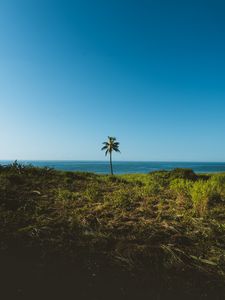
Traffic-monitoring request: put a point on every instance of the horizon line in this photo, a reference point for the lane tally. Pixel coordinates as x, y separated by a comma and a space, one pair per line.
95, 160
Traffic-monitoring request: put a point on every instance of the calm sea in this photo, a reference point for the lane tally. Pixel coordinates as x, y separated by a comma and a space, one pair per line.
122, 167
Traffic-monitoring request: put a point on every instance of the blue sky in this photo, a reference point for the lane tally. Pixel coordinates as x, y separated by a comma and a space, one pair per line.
151, 73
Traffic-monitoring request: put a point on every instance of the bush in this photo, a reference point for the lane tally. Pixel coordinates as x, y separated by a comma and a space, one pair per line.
158, 181
218, 180
183, 174
203, 193
181, 188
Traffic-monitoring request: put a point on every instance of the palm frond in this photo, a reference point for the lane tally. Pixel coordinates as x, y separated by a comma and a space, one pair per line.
104, 148
116, 144
111, 145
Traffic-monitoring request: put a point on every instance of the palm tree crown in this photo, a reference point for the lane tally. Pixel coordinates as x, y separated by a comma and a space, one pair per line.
110, 146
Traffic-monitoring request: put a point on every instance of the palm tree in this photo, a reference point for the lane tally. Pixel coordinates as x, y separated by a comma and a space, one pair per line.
110, 146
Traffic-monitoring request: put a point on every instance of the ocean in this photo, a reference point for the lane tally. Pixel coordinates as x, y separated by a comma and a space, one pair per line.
123, 167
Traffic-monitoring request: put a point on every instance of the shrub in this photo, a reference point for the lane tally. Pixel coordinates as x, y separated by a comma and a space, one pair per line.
203, 193
218, 180
157, 182
181, 188
183, 174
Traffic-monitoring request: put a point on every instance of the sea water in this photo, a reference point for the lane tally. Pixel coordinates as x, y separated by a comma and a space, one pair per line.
123, 167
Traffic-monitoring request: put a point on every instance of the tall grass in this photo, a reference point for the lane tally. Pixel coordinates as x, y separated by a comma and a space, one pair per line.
162, 224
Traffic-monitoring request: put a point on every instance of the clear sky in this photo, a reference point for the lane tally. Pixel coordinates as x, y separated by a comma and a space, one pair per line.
151, 73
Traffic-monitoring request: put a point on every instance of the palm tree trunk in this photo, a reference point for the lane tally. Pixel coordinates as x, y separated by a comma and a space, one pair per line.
111, 168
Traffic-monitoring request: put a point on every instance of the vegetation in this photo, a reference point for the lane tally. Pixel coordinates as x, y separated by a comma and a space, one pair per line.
140, 236
110, 146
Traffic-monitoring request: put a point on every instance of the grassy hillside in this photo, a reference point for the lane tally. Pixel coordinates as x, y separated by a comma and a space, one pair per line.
141, 236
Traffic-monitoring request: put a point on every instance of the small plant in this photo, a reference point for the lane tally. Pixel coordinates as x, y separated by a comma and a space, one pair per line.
218, 180
180, 173
157, 182
201, 193
181, 188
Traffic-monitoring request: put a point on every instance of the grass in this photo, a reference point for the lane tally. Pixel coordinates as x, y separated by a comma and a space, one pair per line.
139, 236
